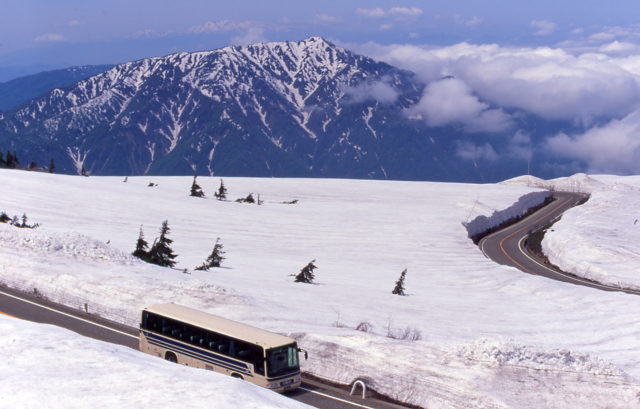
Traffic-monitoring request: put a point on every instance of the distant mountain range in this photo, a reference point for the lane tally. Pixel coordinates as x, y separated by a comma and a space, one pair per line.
285, 109
20, 90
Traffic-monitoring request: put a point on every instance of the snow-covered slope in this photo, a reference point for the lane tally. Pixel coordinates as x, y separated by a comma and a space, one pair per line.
48, 367
483, 335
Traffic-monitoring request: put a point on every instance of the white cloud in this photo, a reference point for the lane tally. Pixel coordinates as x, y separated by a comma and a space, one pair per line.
405, 11
617, 47
520, 146
73, 23
401, 12
50, 38
326, 18
543, 27
251, 36
217, 26
474, 21
379, 91
371, 13
549, 82
611, 148
384, 27
471, 151
451, 101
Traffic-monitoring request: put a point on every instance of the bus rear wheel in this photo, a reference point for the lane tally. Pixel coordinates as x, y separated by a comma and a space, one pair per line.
171, 357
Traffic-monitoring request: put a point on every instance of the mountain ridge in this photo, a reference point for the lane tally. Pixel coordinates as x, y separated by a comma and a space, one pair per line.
299, 109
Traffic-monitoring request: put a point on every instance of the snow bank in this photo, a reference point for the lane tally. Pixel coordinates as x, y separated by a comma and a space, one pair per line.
599, 240
579, 182
482, 223
49, 367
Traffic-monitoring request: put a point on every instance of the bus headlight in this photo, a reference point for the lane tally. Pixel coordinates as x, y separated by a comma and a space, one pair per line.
273, 385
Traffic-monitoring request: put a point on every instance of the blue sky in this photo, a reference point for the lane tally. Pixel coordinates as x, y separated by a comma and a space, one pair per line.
59, 33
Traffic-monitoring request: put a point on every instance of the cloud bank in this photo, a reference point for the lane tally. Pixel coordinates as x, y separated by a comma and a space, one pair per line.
594, 89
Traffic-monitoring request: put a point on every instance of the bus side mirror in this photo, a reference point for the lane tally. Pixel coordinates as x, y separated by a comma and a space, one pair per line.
306, 355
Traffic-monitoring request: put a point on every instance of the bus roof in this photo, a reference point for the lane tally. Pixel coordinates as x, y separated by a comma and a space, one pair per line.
220, 325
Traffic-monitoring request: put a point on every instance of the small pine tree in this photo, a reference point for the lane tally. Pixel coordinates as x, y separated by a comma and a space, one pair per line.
215, 258
10, 161
306, 275
196, 190
24, 220
32, 165
52, 166
4, 217
141, 247
399, 288
161, 252
248, 199
221, 194
2, 162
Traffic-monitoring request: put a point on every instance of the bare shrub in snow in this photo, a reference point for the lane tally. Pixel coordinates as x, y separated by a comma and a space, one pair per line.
364, 326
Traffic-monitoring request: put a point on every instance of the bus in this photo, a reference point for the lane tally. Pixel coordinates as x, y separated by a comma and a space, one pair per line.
195, 338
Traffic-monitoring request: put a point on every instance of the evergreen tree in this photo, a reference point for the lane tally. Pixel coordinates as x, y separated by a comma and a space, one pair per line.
221, 194
248, 199
399, 288
24, 220
161, 253
52, 166
141, 247
306, 275
32, 165
215, 258
10, 161
196, 190
2, 162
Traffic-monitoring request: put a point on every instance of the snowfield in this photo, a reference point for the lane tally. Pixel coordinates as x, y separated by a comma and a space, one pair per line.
49, 367
476, 334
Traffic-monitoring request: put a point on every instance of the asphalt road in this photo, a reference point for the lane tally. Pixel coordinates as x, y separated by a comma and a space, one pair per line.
32, 308
507, 246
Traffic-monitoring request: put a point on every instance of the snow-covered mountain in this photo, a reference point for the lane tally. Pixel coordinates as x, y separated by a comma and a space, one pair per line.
305, 108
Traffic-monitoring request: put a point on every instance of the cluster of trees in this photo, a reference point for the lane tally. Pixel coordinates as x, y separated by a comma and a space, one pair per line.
221, 193
162, 254
17, 222
196, 190
11, 161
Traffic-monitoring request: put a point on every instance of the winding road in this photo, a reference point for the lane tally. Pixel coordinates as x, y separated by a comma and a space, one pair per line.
508, 246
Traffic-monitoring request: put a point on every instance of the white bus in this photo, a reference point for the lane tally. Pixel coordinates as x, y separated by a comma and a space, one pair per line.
195, 338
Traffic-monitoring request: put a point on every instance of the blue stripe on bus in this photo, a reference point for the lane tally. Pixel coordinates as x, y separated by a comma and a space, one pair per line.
196, 353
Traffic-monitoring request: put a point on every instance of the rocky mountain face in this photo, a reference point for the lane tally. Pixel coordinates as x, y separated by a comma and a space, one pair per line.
296, 109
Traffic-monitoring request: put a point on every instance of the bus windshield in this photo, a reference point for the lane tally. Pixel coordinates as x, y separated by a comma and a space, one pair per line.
282, 360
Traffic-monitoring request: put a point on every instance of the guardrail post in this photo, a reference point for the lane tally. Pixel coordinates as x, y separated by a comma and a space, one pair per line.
364, 388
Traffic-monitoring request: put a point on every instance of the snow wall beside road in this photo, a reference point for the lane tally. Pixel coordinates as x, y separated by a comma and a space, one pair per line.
482, 225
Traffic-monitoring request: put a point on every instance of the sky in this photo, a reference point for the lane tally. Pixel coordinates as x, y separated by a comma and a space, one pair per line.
62, 33
576, 62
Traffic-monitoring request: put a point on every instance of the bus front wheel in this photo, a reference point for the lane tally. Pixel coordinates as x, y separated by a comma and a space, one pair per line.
235, 375
171, 357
